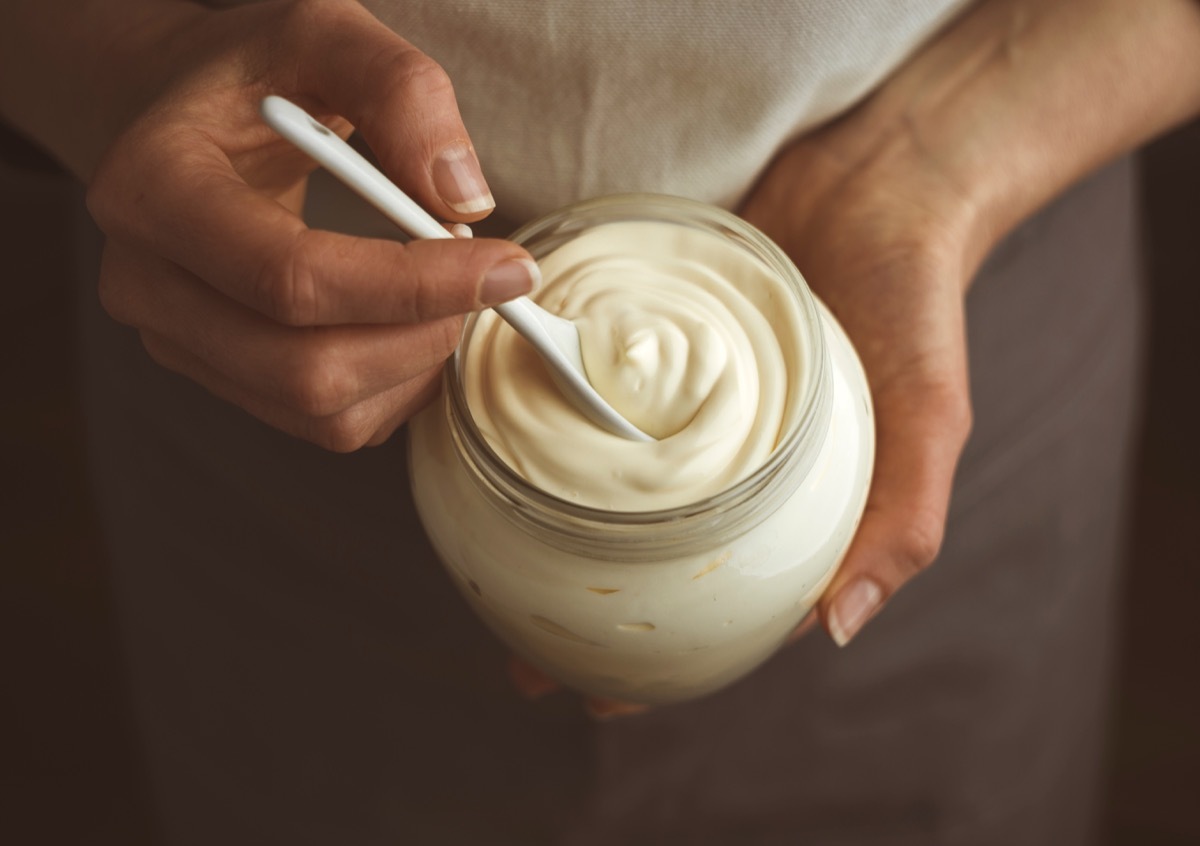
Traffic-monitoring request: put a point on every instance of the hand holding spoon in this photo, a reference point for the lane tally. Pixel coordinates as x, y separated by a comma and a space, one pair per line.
555, 339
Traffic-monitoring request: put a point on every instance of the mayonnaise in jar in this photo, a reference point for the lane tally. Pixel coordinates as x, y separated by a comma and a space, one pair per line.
650, 572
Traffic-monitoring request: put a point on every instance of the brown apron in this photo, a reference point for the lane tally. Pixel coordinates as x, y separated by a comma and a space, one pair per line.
304, 673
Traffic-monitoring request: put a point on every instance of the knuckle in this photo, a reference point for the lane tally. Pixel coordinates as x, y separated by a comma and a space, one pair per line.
920, 542
157, 349
440, 280
383, 434
424, 295
318, 384
414, 77
346, 431
444, 336
287, 284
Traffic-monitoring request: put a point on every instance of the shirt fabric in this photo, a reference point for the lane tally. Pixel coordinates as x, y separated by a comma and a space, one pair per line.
570, 100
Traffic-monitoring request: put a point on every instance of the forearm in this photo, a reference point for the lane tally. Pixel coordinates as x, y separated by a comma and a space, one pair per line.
1020, 98
73, 74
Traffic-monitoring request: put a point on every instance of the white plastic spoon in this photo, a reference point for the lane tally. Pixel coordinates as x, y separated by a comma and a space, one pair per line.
555, 339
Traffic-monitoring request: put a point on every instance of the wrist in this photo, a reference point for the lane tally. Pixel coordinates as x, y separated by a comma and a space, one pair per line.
893, 192
1021, 98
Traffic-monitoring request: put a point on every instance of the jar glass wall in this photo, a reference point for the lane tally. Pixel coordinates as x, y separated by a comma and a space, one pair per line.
654, 606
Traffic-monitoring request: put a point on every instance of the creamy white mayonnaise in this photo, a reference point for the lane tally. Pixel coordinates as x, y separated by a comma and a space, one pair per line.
692, 339
689, 333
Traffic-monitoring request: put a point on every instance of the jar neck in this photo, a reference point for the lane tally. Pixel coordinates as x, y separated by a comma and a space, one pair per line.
652, 535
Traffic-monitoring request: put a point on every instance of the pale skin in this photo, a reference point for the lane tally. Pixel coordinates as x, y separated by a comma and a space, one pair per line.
888, 211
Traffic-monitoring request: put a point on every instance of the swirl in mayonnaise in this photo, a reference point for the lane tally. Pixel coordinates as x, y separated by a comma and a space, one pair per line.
689, 336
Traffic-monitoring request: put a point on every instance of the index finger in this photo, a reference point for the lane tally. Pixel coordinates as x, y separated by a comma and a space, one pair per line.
181, 198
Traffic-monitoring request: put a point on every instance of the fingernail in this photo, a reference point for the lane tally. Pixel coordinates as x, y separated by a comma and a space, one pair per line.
852, 607
461, 230
459, 180
509, 279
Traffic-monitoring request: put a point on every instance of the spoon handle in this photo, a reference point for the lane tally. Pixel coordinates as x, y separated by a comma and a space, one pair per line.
348, 165
555, 339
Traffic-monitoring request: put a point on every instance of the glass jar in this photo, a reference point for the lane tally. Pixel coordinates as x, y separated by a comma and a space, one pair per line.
655, 606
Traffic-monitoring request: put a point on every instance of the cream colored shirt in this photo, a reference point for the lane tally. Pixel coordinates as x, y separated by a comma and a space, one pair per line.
569, 100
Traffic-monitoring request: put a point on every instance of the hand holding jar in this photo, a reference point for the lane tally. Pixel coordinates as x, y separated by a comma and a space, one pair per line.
890, 209
891, 264
891, 260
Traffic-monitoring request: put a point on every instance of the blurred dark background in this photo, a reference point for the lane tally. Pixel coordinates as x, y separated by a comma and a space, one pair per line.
69, 769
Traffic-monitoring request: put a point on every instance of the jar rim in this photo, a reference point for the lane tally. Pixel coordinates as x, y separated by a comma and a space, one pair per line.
626, 533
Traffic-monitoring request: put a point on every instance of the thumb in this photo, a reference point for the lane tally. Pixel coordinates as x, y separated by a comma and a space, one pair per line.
400, 99
920, 434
